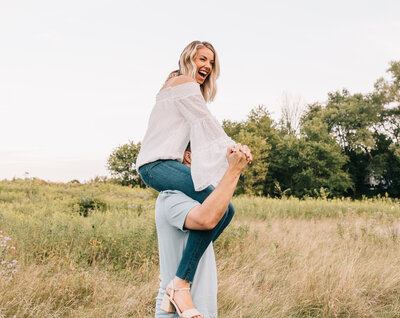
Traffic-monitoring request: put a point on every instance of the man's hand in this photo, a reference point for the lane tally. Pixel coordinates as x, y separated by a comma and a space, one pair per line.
237, 159
245, 150
207, 215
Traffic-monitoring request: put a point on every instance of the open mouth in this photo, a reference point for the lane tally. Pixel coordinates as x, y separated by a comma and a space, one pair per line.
203, 74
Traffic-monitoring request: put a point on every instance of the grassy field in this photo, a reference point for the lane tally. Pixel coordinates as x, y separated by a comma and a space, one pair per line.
90, 250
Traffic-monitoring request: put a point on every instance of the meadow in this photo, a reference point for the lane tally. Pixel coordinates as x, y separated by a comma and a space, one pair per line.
90, 250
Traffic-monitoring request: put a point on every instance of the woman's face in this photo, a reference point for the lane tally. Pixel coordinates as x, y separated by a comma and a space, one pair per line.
204, 61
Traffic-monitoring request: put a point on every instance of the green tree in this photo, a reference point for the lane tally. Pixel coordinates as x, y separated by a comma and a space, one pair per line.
121, 164
321, 162
255, 132
308, 166
252, 179
385, 164
367, 128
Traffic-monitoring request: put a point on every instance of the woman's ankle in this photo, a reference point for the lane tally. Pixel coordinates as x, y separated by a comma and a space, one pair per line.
179, 282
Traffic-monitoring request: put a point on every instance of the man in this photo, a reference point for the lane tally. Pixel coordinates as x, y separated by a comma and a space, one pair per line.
177, 213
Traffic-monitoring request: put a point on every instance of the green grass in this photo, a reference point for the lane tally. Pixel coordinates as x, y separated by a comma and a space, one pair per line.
44, 219
118, 240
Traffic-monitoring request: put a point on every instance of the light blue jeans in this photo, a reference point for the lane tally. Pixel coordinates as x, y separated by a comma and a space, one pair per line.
172, 175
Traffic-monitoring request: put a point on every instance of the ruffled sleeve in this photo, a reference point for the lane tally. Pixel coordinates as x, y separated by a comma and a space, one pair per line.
208, 140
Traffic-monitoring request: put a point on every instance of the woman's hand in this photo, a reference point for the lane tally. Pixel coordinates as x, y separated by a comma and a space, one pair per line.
236, 159
245, 150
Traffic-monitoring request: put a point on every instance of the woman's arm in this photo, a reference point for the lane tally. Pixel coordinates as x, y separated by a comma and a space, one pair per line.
208, 139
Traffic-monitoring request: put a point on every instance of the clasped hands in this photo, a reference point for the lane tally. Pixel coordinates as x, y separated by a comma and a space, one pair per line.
244, 149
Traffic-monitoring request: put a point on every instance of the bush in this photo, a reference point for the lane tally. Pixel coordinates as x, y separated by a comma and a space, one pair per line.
87, 205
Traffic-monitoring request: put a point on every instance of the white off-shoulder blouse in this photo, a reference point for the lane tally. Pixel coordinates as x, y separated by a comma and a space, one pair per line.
181, 115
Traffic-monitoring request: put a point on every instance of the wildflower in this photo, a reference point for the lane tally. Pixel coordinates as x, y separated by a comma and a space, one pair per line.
3, 245
14, 261
13, 247
3, 262
14, 271
10, 265
2, 272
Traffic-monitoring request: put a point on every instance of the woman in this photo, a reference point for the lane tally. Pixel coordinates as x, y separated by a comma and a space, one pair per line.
181, 115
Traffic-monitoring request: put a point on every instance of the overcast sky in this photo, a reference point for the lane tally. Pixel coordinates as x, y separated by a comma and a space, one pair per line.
79, 78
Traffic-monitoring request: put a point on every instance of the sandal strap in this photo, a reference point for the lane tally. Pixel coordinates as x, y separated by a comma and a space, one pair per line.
173, 290
190, 313
187, 288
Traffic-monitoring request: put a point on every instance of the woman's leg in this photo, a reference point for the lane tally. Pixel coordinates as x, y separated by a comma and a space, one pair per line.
226, 219
172, 175
197, 243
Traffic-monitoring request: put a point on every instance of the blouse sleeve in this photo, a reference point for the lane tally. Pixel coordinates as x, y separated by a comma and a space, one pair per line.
208, 140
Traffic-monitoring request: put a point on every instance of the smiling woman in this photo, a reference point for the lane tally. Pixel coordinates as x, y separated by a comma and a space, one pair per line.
199, 60
204, 61
179, 117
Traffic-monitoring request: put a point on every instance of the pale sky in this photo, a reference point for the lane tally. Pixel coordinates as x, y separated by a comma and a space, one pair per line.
79, 78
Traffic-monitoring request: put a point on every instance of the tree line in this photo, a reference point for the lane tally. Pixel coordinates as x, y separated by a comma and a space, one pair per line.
348, 146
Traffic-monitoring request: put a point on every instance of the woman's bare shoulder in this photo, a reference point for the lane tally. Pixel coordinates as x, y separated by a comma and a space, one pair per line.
178, 80
182, 79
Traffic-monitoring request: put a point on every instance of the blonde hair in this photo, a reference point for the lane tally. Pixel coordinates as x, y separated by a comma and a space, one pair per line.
188, 67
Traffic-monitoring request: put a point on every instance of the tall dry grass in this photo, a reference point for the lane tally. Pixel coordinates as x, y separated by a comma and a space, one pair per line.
278, 258
314, 268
